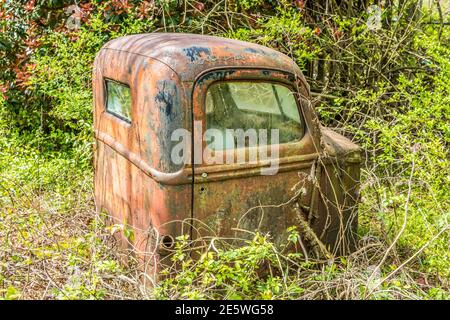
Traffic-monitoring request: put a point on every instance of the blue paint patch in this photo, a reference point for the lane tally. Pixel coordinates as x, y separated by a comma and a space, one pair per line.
194, 52
216, 75
251, 50
165, 98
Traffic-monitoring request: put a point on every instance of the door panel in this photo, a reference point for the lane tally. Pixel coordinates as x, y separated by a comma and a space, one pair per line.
234, 208
234, 200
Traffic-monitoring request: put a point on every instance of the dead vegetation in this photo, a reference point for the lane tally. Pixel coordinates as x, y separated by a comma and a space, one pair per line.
388, 89
67, 252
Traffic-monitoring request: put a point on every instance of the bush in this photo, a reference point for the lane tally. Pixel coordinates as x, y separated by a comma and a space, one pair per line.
388, 89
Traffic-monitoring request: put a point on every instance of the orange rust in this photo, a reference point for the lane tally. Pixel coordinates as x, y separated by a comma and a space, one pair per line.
136, 183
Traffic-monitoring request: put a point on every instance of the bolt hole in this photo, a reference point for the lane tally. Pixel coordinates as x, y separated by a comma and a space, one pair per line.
167, 242
202, 189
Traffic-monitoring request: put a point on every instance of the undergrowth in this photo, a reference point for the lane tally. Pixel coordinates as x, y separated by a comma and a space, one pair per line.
390, 94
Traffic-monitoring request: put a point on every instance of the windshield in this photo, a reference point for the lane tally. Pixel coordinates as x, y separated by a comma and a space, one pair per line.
252, 105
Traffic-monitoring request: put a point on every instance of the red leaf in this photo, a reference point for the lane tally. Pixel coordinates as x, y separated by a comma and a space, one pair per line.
200, 6
299, 4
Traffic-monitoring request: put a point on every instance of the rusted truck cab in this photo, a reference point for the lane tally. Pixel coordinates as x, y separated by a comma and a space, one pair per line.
167, 162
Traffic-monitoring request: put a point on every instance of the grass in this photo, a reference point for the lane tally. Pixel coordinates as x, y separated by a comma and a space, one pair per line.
55, 246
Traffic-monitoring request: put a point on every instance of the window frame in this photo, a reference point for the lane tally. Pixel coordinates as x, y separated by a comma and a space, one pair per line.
289, 155
290, 87
116, 115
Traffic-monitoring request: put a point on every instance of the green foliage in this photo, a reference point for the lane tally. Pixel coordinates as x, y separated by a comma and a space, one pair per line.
62, 77
257, 270
231, 274
409, 139
389, 89
286, 31
48, 230
244, 5
11, 293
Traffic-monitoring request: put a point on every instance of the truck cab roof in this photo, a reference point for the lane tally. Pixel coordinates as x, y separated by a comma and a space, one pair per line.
190, 55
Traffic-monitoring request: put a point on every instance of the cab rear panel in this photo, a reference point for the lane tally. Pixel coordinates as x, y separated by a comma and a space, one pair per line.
142, 190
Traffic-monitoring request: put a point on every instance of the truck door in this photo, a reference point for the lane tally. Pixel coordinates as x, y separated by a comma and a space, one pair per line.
254, 155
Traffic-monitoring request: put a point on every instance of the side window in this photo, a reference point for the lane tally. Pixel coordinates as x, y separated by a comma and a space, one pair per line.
118, 100
252, 105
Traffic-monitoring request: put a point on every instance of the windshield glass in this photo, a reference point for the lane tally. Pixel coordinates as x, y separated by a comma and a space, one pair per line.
252, 105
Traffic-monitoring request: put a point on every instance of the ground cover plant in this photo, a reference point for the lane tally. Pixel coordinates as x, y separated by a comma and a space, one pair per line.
383, 81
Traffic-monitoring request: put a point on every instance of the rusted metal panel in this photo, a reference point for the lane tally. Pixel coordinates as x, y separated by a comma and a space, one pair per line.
134, 181
232, 201
189, 55
139, 186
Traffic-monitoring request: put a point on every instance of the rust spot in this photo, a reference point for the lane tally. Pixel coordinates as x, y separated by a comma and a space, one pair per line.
137, 184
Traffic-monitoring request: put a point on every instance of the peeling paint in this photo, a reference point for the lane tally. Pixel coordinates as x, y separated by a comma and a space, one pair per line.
195, 53
135, 179
165, 98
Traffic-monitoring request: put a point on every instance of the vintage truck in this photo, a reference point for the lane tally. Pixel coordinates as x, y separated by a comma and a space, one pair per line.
153, 90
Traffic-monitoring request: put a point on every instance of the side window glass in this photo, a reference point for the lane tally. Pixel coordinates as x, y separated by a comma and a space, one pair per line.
118, 100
